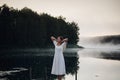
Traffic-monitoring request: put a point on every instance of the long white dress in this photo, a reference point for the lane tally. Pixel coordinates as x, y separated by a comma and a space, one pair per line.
58, 67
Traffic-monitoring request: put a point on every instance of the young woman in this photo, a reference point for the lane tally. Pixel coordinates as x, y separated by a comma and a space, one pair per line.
58, 67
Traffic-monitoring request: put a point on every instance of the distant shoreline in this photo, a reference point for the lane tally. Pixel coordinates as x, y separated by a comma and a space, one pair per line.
46, 47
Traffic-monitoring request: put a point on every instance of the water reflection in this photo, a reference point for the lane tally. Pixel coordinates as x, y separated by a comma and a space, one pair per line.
35, 64
28, 65
98, 64
104, 53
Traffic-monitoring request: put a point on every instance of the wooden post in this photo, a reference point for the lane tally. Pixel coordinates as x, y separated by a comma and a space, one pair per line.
76, 75
30, 73
45, 73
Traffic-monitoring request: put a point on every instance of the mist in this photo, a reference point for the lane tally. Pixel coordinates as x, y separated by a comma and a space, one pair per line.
95, 42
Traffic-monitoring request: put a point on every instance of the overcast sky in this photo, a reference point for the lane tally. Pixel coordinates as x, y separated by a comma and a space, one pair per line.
94, 17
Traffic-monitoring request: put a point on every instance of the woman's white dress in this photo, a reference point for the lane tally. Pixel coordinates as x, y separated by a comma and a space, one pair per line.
58, 67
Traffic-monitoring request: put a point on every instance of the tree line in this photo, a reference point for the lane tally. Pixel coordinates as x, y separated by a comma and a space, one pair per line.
27, 28
114, 39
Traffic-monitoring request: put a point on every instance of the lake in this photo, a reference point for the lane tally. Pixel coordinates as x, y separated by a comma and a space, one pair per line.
81, 64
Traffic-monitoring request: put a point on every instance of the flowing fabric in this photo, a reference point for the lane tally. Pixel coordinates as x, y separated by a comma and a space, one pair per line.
58, 67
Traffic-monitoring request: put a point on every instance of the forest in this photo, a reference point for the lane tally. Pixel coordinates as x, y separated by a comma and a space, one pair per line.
114, 39
27, 28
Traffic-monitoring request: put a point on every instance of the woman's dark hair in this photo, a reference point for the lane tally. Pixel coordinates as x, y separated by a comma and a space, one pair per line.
61, 37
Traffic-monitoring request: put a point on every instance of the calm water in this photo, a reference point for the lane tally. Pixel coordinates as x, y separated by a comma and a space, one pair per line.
35, 64
98, 64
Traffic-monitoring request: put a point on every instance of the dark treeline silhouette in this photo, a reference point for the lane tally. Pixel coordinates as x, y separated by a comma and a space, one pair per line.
115, 39
26, 28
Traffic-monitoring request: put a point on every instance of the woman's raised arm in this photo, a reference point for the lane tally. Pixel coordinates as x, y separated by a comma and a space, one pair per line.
65, 40
53, 38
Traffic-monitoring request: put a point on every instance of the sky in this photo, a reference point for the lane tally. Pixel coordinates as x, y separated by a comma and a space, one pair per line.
94, 17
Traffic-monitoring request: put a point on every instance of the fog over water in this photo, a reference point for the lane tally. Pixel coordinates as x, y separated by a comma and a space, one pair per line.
90, 42
98, 61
